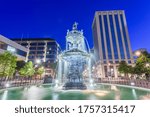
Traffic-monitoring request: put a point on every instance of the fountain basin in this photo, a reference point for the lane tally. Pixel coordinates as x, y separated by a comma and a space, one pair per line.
100, 92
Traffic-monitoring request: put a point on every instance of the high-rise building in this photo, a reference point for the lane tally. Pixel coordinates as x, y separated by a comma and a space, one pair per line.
40, 49
13, 47
111, 41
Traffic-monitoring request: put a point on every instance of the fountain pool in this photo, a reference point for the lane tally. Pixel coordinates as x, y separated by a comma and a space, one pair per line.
100, 92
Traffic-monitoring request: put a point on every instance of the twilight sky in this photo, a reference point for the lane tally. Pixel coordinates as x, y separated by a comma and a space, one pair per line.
52, 18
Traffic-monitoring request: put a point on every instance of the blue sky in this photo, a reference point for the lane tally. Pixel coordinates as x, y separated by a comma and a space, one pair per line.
52, 18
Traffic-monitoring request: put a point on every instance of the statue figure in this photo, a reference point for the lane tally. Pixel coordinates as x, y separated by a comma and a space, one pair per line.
75, 25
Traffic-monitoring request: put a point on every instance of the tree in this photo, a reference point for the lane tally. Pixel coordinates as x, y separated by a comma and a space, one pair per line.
27, 70
141, 65
39, 71
124, 68
7, 64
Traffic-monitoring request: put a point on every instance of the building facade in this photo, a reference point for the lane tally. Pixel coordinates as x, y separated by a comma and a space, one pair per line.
13, 47
111, 42
41, 50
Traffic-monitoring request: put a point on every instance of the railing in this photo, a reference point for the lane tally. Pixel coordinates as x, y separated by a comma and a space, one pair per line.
130, 82
19, 82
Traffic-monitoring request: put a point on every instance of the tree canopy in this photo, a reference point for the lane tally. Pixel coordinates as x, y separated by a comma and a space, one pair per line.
27, 70
7, 64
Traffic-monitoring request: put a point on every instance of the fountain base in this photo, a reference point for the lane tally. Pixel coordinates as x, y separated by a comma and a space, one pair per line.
72, 85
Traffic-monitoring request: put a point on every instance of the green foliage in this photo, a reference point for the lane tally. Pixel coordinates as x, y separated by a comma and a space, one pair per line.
7, 64
124, 68
141, 67
40, 70
27, 70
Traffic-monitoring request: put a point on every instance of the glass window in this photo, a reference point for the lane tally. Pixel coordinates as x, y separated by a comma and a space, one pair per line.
41, 44
107, 37
40, 52
113, 37
119, 37
40, 57
24, 44
32, 48
102, 37
40, 48
22, 53
31, 57
33, 44
125, 37
32, 52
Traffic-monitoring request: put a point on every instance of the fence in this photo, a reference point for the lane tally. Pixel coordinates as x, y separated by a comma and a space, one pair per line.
130, 82
19, 82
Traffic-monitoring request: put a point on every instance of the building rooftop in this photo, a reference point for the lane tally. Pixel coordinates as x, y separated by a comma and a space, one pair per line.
33, 39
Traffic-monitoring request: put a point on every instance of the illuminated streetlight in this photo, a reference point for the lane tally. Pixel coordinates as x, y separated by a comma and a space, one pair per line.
7, 85
147, 64
38, 61
137, 53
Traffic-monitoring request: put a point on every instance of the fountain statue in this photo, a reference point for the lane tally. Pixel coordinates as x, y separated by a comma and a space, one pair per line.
73, 61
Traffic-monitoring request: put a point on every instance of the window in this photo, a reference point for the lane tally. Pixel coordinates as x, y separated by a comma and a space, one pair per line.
24, 44
40, 52
32, 52
41, 44
32, 48
113, 37
119, 37
102, 37
40, 48
107, 37
125, 37
33, 44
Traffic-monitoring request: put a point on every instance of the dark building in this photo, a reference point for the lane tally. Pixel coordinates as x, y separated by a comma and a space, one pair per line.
40, 49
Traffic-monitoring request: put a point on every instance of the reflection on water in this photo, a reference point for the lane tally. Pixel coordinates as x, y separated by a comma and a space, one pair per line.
100, 92
4, 97
33, 92
134, 94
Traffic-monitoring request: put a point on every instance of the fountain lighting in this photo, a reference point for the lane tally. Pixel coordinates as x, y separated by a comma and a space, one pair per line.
134, 93
132, 83
7, 85
75, 62
5, 94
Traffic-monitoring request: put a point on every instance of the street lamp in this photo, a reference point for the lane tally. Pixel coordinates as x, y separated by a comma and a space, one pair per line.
137, 53
147, 64
109, 70
38, 61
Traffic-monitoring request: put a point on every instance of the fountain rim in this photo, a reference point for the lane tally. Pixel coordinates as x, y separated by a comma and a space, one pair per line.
125, 86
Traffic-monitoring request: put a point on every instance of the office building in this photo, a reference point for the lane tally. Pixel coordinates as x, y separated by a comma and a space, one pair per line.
13, 47
111, 41
40, 49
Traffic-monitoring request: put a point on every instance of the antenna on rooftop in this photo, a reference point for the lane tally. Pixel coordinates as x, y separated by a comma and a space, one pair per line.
21, 37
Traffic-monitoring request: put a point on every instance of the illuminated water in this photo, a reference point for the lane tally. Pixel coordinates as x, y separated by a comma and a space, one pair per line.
101, 92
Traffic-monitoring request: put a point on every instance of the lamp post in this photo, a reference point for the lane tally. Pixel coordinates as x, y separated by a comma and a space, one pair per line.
137, 53
38, 61
109, 70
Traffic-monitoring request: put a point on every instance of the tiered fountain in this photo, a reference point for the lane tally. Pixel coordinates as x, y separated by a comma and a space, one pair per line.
73, 61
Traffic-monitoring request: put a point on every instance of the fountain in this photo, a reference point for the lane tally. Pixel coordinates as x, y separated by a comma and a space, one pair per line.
73, 61
73, 73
